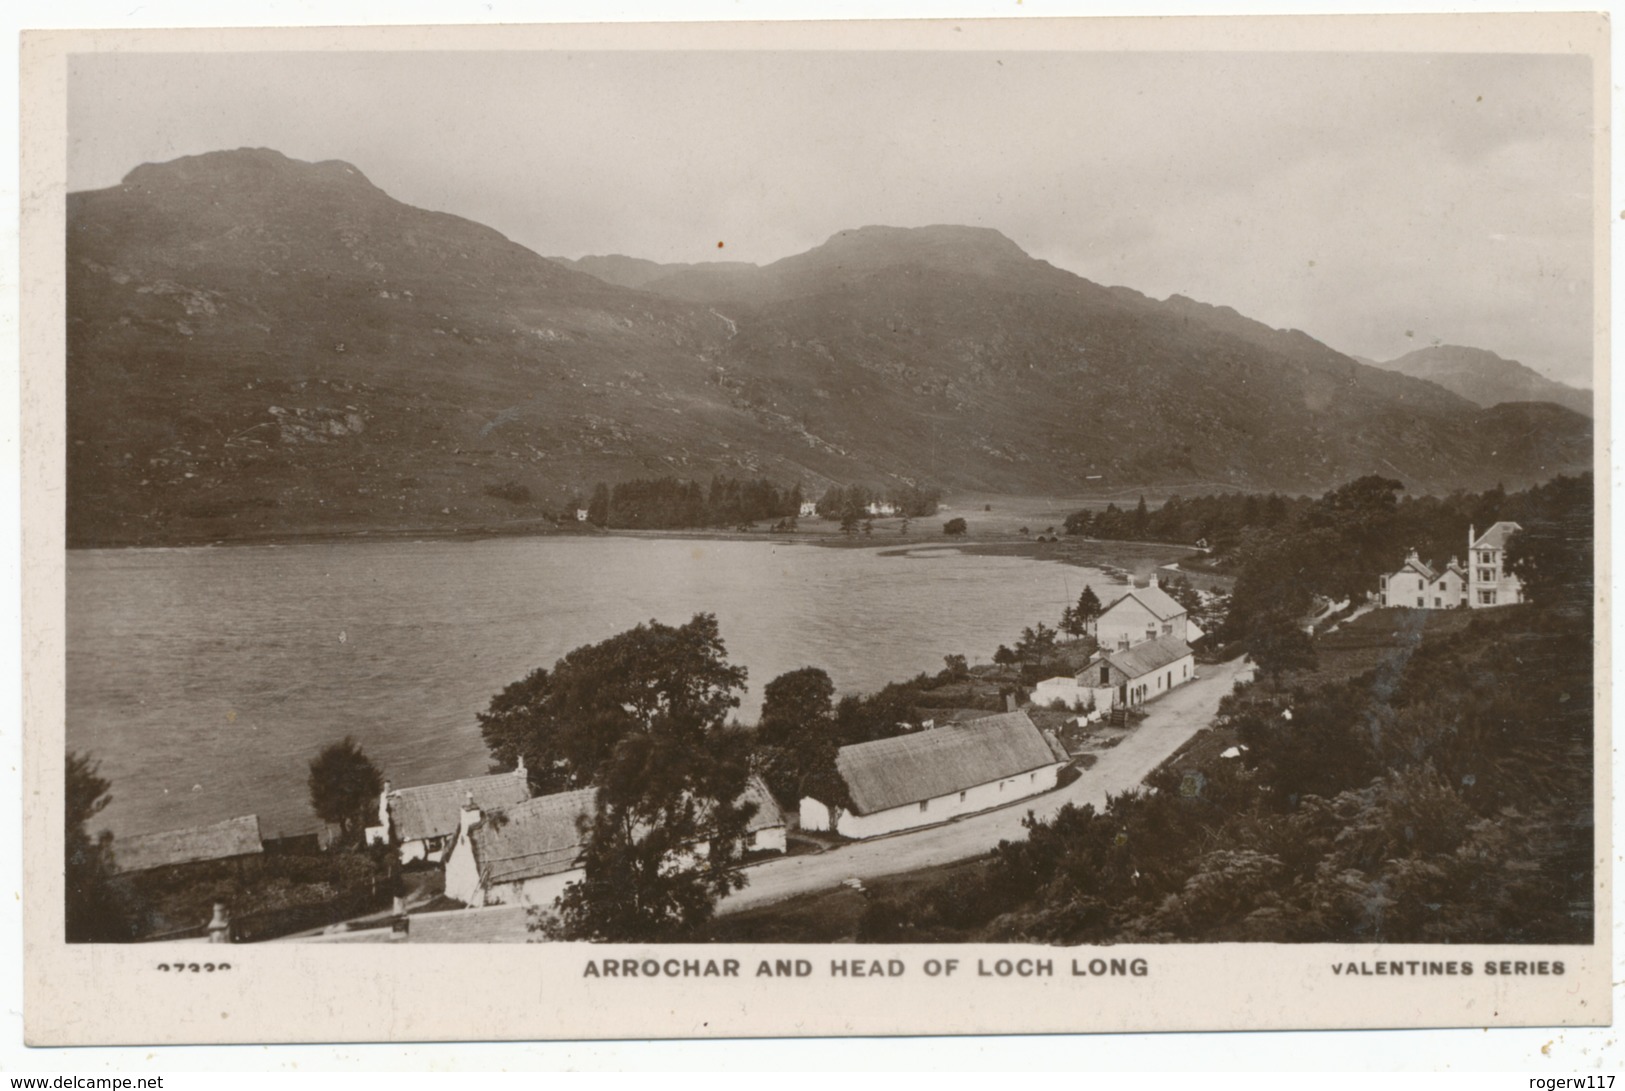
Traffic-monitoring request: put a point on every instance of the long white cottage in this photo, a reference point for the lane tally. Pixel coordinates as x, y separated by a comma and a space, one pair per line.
530, 853
934, 775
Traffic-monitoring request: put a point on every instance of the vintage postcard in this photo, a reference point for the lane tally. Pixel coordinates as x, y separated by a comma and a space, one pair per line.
816, 529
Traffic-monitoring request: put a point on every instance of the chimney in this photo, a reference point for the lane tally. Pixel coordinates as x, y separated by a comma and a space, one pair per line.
1412, 558
470, 817
220, 925
520, 771
1155, 582
1472, 536
383, 809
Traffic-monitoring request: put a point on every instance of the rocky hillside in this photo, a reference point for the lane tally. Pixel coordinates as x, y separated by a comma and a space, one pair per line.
259, 346
1486, 379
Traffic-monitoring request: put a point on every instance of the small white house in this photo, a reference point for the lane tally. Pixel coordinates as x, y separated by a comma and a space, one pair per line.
423, 821
1144, 613
1418, 586
1129, 677
931, 776
530, 853
809, 508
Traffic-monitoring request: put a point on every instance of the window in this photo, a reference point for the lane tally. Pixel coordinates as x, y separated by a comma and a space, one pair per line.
925, 804
1032, 777
1420, 601
1105, 675
1486, 557
1185, 670
961, 797
1001, 785
1437, 601
1167, 628
1421, 585
1486, 598
1486, 575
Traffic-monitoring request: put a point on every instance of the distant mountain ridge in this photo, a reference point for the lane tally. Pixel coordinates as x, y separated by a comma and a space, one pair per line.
261, 347
1486, 379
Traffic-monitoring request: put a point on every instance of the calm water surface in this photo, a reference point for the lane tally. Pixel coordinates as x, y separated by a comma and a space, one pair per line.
205, 679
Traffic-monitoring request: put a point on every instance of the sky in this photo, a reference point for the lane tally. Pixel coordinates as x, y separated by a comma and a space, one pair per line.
1380, 202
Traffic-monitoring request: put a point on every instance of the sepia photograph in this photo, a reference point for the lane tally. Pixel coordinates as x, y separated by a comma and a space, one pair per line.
823, 503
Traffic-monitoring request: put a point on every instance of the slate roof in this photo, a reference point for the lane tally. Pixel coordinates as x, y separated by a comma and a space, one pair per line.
218, 841
1420, 567
1155, 599
1496, 537
905, 769
543, 836
1147, 656
435, 810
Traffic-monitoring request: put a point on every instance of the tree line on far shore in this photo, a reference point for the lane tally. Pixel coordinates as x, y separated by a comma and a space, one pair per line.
673, 503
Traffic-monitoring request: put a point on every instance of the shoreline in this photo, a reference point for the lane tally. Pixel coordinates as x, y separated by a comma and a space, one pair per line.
1108, 555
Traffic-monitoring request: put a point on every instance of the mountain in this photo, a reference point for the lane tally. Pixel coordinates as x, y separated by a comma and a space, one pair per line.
638, 272
260, 347
1486, 379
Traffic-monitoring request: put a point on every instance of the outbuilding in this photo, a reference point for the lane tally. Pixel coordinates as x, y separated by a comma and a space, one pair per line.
236, 839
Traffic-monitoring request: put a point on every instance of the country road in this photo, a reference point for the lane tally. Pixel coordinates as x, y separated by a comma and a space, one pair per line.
1168, 724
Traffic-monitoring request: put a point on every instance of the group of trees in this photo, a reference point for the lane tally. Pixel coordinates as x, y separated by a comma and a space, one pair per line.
910, 500
95, 911
1079, 617
642, 717
669, 503
1220, 519
1445, 796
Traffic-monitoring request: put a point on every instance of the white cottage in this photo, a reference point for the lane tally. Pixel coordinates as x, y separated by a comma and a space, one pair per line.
423, 821
1418, 586
530, 853
932, 776
1129, 677
1141, 614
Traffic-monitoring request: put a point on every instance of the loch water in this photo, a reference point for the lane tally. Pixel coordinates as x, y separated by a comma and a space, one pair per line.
204, 679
